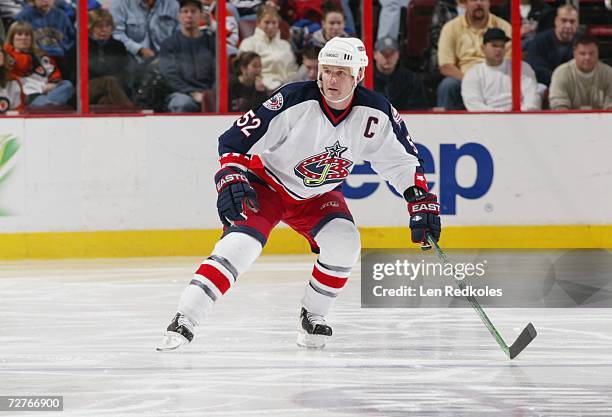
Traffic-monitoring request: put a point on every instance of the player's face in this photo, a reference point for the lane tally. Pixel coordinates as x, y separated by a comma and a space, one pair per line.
586, 56
337, 82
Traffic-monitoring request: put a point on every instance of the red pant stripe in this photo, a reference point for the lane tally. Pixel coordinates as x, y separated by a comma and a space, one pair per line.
329, 280
215, 276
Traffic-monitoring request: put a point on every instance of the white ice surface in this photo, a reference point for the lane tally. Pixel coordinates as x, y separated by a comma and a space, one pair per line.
87, 330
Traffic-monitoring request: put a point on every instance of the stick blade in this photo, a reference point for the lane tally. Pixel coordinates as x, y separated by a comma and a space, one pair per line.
527, 335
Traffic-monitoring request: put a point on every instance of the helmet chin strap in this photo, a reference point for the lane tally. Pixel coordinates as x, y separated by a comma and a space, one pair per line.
320, 84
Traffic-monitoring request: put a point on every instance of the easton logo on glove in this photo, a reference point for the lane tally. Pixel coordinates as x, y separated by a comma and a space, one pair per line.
236, 196
431, 207
424, 213
229, 179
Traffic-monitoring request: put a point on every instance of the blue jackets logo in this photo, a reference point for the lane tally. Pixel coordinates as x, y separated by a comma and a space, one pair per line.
448, 188
324, 168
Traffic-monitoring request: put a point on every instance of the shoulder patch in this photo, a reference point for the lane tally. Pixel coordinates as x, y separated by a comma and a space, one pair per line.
274, 103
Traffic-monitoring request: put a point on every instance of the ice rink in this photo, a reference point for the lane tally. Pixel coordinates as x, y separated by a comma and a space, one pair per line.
87, 330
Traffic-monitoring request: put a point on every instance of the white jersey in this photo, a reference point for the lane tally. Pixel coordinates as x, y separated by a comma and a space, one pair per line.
300, 147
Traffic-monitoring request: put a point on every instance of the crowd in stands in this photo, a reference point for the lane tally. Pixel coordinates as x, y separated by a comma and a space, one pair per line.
161, 54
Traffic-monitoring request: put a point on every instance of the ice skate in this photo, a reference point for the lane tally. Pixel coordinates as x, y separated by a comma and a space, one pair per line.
178, 333
314, 331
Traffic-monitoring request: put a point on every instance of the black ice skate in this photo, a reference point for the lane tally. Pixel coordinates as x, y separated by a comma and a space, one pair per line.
314, 331
178, 333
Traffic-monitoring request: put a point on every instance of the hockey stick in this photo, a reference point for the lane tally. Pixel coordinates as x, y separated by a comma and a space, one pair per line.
527, 335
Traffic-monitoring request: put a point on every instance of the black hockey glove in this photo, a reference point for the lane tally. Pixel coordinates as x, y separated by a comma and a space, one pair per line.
235, 195
424, 213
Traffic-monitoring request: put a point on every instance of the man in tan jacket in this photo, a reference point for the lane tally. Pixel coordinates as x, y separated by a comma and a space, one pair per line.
584, 82
459, 49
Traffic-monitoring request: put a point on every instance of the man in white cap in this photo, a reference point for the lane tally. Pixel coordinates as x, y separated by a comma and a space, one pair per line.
286, 161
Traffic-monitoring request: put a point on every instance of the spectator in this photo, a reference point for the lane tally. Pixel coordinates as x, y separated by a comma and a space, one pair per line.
536, 16
53, 31
444, 11
277, 59
389, 18
142, 25
246, 90
488, 86
309, 68
109, 62
459, 49
187, 61
553, 47
209, 22
332, 25
403, 88
11, 95
247, 8
39, 76
584, 82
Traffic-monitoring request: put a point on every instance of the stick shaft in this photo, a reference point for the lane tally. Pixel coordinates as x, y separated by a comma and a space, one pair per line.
473, 302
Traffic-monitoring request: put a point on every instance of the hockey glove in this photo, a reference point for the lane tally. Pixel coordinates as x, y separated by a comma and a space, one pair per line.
235, 195
424, 213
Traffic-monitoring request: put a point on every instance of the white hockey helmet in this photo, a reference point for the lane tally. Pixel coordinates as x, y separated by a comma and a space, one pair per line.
344, 52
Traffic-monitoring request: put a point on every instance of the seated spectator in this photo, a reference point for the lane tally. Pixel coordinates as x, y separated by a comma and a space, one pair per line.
536, 16
247, 8
332, 25
246, 89
444, 11
389, 18
459, 49
277, 59
551, 48
309, 68
142, 25
209, 22
488, 86
11, 95
584, 82
53, 31
187, 60
402, 87
109, 62
39, 76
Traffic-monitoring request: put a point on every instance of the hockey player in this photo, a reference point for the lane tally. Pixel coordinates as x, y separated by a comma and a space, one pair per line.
286, 161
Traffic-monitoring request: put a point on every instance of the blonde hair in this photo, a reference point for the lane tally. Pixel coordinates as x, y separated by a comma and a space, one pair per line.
266, 10
98, 16
19, 27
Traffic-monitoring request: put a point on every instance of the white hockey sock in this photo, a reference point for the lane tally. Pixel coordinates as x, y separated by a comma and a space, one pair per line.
324, 287
232, 255
340, 245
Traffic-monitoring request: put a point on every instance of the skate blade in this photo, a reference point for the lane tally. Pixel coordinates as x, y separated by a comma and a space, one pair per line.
311, 341
171, 341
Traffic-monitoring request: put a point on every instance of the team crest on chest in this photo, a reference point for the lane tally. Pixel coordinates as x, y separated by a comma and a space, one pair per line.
324, 168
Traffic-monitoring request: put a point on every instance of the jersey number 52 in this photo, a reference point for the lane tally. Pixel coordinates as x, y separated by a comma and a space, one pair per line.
247, 122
